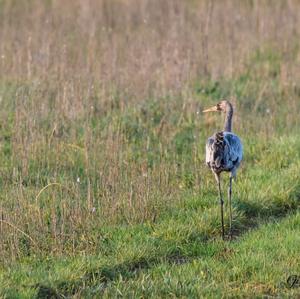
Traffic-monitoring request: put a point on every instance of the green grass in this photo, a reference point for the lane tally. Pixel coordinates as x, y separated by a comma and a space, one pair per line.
180, 254
104, 190
125, 206
155, 231
258, 264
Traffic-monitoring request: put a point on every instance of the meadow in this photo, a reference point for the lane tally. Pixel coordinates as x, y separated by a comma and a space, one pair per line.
104, 189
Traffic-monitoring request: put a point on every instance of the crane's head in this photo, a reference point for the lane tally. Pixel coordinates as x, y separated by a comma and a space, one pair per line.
221, 106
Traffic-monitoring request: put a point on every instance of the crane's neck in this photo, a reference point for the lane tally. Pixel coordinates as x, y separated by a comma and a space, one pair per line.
228, 118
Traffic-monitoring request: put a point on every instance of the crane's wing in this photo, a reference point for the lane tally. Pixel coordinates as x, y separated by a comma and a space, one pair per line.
224, 152
234, 150
215, 152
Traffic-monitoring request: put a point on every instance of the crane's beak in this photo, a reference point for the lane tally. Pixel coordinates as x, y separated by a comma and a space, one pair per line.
212, 109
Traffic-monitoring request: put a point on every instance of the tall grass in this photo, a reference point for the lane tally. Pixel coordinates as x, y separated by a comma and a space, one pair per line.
100, 119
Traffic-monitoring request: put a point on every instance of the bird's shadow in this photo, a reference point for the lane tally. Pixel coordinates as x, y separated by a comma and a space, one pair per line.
256, 213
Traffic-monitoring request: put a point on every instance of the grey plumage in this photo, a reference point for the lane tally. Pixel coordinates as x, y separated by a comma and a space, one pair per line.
224, 152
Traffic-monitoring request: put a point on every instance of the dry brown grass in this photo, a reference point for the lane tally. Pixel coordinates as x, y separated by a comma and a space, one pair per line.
140, 47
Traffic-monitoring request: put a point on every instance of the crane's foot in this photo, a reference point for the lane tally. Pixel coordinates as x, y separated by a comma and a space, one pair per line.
228, 236
223, 237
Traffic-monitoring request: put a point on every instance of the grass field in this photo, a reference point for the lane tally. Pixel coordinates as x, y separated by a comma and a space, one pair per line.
104, 189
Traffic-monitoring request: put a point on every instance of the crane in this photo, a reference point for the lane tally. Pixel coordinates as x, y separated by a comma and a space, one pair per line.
224, 152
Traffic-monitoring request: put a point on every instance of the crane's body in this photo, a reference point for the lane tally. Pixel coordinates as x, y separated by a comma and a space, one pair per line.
224, 152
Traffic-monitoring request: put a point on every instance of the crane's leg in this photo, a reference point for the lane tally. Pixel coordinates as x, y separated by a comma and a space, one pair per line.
221, 203
230, 210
